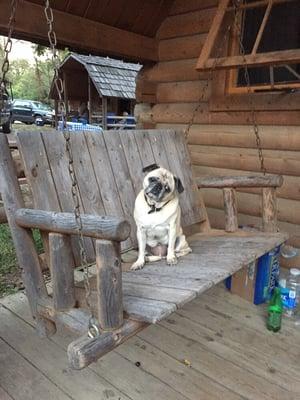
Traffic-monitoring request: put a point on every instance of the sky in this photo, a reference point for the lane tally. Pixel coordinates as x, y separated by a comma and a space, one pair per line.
21, 49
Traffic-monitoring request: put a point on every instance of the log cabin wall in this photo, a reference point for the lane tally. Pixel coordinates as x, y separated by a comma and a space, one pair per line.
221, 143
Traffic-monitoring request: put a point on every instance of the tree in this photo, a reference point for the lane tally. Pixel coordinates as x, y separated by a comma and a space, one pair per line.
32, 81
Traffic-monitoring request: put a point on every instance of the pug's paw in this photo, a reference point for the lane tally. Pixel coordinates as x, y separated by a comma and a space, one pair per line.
171, 260
139, 264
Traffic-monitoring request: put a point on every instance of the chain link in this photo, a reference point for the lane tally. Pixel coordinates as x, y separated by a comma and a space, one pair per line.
208, 83
93, 329
7, 50
238, 28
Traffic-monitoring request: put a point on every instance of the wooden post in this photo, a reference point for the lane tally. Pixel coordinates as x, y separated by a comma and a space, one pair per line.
230, 207
22, 238
109, 284
269, 210
62, 271
56, 113
66, 97
90, 101
104, 112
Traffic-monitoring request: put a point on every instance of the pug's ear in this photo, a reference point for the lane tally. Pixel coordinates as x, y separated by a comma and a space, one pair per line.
178, 185
150, 167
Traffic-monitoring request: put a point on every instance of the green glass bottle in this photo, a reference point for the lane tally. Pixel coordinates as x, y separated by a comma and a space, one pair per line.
275, 311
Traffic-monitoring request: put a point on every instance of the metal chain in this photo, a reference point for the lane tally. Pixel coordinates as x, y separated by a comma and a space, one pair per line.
209, 81
93, 329
7, 50
238, 27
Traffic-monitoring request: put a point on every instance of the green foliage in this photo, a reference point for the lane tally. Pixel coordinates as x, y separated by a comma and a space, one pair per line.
9, 270
32, 81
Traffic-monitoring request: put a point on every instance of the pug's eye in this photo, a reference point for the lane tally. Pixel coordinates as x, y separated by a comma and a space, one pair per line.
152, 179
167, 189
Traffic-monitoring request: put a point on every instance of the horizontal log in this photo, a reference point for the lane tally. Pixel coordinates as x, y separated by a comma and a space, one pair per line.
183, 112
273, 165
274, 137
186, 24
239, 181
251, 204
242, 151
99, 227
85, 350
183, 6
181, 47
289, 190
175, 71
259, 59
258, 101
94, 36
187, 92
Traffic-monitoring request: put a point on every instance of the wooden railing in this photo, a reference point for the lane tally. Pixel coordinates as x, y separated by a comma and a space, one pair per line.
268, 183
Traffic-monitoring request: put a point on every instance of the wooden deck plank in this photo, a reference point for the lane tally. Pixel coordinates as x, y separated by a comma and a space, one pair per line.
133, 382
219, 367
24, 381
4, 395
187, 381
52, 362
221, 325
185, 344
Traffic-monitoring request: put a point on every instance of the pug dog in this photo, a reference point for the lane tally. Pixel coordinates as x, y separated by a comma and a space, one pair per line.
157, 215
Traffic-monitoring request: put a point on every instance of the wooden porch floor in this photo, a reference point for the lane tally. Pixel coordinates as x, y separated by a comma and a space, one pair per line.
228, 351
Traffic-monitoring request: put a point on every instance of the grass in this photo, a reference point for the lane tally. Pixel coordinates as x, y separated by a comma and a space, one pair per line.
10, 273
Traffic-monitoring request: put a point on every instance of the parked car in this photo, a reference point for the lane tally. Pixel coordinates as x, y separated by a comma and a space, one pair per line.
29, 112
5, 113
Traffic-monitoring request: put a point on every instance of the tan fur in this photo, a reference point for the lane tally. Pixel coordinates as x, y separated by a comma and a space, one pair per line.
160, 228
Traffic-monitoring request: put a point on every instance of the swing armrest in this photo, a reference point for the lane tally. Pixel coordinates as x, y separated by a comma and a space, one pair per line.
222, 182
99, 227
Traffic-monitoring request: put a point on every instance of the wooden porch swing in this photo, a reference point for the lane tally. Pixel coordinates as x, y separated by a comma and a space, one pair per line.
108, 170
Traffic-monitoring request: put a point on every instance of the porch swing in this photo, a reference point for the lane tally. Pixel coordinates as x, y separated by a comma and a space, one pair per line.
101, 173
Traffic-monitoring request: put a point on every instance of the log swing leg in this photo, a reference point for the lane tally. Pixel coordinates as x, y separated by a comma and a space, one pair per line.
23, 241
114, 330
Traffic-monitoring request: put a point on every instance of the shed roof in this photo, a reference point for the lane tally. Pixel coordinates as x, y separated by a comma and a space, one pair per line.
112, 78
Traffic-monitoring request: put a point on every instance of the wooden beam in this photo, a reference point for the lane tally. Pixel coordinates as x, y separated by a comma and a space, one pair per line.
77, 32
269, 210
85, 350
239, 181
104, 112
213, 33
99, 227
258, 4
23, 240
262, 27
62, 271
109, 285
230, 208
260, 59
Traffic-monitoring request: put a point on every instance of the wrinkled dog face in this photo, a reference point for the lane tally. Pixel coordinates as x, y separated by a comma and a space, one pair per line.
160, 184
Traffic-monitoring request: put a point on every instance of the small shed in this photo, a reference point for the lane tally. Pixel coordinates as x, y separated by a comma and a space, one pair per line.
105, 85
